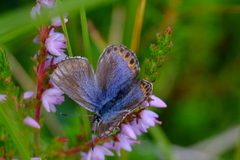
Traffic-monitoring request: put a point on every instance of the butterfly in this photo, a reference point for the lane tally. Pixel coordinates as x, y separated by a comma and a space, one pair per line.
112, 92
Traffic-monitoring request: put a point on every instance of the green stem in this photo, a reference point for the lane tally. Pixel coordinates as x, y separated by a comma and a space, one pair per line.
161, 139
86, 39
64, 28
87, 47
138, 26
9, 123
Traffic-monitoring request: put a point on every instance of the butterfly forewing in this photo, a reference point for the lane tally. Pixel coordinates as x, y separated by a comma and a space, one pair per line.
116, 66
75, 77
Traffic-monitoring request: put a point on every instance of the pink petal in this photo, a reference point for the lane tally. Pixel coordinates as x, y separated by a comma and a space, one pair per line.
36, 158
157, 102
98, 153
145, 104
37, 39
135, 127
35, 10
148, 113
2, 97
31, 122
55, 43
128, 130
45, 103
56, 22
28, 95
46, 3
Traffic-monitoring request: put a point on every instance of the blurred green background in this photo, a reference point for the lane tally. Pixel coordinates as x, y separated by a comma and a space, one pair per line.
200, 81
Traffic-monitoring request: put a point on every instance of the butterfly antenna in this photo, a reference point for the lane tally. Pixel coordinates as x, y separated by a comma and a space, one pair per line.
64, 114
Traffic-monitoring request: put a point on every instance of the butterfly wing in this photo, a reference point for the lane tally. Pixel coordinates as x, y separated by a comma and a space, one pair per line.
105, 129
74, 76
128, 98
116, 66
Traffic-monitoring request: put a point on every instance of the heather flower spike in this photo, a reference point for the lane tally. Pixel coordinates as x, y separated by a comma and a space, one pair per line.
158, 54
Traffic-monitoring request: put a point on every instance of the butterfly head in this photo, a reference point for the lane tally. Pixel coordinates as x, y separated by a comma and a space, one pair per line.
96, 118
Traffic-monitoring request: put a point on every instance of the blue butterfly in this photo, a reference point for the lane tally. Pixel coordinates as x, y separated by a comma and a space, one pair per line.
112, 92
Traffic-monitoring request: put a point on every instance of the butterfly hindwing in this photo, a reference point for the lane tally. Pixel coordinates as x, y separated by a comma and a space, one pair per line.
74, 76
128, 99
106, 129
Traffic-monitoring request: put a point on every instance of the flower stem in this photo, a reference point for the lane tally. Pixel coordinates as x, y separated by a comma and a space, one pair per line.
138, 26
86, 40
41, 78
64, 28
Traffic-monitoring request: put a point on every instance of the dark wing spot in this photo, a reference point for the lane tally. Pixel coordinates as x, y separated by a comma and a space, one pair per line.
109, 50
115, 48
146, 88
127, 55
132, 61
121, 49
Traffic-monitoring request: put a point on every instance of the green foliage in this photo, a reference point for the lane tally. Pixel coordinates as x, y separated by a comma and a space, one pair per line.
11, 135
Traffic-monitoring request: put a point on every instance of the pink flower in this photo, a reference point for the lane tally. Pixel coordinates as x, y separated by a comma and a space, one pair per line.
148, 119
28, 95
37, 39
97, 153
36, 158
35, 11
53, 60
50, 97
124, 142
55, 43
46, 3
155, 102
2, 97
56, 22
128, 130
31, 122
